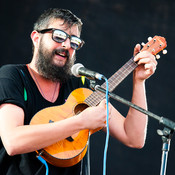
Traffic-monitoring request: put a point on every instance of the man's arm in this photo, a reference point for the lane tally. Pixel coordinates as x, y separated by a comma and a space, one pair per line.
18, 138
132, 130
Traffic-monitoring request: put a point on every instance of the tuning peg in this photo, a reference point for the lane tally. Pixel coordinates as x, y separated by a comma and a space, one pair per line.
164, 51
143, 44
150, 38
157, 56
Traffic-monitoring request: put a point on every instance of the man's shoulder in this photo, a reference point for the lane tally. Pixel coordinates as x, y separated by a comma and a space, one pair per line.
10, 70
11, 66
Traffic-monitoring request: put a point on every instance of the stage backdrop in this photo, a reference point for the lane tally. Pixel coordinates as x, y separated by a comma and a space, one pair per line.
111, 30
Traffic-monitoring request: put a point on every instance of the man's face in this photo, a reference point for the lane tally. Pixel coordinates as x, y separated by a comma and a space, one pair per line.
54, 60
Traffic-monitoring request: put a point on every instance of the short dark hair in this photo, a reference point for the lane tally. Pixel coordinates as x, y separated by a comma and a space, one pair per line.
55, 13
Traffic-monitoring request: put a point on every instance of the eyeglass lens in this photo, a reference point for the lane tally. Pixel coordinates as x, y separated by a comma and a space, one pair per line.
60, 36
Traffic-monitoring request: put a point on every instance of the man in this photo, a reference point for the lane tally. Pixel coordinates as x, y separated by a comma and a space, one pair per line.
46, 81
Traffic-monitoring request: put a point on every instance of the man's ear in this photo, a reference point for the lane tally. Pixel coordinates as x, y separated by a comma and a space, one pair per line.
35, 38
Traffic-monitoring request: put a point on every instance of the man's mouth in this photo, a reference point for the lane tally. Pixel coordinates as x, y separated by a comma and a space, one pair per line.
62, 52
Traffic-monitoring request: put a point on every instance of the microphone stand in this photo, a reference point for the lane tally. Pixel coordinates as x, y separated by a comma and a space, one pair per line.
166, 133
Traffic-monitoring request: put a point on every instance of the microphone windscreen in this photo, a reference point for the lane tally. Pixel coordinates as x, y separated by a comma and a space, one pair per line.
75, 69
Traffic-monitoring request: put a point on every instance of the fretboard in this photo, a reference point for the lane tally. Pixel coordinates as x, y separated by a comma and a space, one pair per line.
113, 82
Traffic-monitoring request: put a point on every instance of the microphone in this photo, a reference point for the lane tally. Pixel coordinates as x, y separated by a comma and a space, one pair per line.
79, 70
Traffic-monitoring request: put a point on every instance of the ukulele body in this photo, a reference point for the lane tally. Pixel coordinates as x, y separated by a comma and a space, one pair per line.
70, 151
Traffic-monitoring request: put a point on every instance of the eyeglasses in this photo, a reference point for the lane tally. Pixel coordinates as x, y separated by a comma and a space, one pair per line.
60, 36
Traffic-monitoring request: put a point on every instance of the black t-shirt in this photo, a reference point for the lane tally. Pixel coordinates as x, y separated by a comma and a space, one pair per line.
17, 87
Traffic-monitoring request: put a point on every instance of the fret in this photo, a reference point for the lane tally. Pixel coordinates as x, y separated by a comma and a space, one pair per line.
94, 98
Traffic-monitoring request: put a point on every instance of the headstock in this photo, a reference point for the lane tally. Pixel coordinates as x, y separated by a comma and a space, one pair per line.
155, 45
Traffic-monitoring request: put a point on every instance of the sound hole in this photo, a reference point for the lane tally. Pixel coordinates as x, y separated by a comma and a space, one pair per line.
80, 107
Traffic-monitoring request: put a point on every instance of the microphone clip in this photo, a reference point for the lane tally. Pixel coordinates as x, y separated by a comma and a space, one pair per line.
92, 84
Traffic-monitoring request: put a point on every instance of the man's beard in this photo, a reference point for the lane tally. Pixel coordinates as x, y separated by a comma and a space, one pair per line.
49, 70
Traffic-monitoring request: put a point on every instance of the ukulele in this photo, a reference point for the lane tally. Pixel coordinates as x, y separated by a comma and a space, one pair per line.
71, 150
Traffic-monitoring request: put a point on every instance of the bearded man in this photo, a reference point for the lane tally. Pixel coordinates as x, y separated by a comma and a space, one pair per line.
46, 82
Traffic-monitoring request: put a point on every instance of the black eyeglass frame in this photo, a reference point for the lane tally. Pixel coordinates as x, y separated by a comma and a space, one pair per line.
67, 36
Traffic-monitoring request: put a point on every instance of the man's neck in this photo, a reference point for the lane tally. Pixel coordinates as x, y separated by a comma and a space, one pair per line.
48, 89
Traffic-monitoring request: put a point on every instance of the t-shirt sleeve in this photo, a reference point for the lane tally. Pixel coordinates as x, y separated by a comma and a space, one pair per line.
11, 86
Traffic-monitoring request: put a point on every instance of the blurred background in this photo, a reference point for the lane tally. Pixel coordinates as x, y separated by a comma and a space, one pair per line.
111, 30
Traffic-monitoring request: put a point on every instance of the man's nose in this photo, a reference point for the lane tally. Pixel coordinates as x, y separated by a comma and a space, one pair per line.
66, 44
